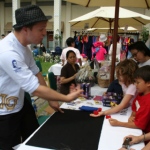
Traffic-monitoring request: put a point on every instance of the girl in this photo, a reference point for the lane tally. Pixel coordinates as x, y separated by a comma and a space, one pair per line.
68, 72
124, 72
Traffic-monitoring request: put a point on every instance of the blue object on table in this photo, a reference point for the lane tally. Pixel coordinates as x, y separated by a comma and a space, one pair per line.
88, 108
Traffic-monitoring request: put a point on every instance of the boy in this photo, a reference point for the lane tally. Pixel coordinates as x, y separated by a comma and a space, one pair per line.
141, 104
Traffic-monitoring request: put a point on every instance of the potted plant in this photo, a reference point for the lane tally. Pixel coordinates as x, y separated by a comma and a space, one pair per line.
144, 34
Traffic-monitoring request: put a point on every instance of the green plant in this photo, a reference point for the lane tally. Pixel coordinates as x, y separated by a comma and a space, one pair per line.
46, 66
57, 36
144, 34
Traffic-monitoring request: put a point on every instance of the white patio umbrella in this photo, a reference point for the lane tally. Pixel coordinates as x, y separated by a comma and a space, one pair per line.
123, 3
121, 29
116, 3
104, 17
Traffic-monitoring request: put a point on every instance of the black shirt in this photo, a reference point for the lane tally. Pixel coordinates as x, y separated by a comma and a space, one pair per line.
68, 71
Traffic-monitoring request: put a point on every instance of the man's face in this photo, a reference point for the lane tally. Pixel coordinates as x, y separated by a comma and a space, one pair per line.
37, 33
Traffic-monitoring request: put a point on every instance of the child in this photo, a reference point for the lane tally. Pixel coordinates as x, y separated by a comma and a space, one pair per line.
141, 104
68, 72
124, 72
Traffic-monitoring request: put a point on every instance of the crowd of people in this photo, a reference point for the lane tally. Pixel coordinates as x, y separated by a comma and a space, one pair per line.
20, 74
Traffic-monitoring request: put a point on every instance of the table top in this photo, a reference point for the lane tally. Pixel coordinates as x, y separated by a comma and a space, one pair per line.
111, 137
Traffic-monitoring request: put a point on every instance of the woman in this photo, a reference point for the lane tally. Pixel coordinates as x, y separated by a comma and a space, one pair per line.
140, 53
68, 72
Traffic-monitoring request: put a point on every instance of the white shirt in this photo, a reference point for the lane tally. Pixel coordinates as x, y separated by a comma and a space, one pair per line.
64, 52
17, 74
144, 63
118, 51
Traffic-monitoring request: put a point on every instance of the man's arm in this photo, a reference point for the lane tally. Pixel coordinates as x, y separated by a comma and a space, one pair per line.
49, 94
41, 79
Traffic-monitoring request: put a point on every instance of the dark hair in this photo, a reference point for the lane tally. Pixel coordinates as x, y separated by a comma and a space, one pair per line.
3, 35
141, 47
127, 69
70, 51
69, 41
34, 46
143, 73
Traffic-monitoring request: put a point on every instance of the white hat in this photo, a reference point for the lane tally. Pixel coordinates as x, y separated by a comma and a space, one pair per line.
103, 37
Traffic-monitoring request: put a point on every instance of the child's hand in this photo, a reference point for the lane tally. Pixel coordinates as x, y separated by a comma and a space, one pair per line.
97, 115
126, 149
113, 122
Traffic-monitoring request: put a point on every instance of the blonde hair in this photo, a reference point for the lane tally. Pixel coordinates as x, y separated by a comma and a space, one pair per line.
127, 68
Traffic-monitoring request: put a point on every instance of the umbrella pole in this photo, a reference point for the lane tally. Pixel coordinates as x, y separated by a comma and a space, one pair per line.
114, 41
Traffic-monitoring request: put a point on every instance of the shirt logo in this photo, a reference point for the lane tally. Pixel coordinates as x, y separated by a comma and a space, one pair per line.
137, 105
15, 66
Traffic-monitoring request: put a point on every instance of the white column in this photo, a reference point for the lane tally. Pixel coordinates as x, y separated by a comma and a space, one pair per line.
67, 24
33, 2
67, 30
57, 20
2, 17
15, 5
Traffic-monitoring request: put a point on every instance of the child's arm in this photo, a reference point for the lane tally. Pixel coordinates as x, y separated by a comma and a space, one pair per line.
124, 103
147, 147
132, 117
115, 122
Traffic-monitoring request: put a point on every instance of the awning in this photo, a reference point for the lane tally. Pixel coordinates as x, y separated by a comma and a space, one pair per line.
51, 28
8, 26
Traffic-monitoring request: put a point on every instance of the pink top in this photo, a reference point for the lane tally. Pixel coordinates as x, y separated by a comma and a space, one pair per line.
100, 55
131, 90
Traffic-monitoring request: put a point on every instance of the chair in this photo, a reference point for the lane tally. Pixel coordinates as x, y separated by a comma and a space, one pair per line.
58, 51
52, 81
38, 63
41, 119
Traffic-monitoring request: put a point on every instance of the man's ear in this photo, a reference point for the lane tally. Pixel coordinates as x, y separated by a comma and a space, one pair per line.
25, 29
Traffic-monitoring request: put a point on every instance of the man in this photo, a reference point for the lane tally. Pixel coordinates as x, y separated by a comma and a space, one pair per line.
71, 44
19, 74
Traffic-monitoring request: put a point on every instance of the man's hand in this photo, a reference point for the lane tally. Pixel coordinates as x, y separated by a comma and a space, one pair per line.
75, 92
113, 122
55, 105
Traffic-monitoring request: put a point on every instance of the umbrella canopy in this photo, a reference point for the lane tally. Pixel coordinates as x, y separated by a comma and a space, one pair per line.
121, 29
123, 3
104, 17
